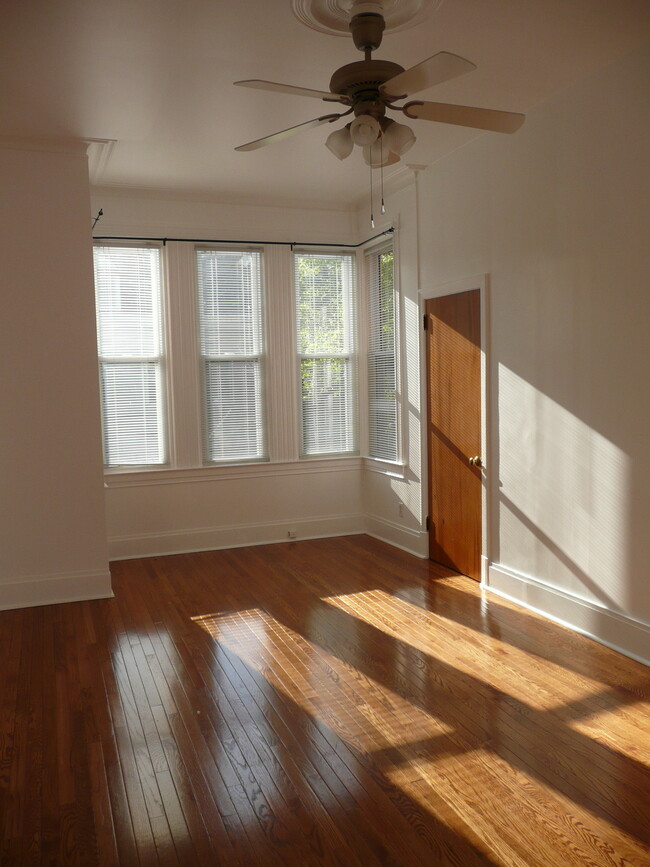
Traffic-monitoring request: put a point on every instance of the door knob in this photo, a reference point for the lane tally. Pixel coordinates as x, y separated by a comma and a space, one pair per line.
476, 461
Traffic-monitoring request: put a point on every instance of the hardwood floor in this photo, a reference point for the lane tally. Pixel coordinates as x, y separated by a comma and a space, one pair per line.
326, 702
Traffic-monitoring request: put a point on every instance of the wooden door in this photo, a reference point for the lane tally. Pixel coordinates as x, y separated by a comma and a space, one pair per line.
453, 325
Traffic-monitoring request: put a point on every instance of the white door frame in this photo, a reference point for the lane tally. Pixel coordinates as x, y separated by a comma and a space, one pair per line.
480, 282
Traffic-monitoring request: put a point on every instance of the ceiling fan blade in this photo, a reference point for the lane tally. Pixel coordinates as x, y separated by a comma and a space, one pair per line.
285, 133
465, 115
436, 69
259, 84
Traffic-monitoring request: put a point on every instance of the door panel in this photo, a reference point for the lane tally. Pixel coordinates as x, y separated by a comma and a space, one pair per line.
454, 430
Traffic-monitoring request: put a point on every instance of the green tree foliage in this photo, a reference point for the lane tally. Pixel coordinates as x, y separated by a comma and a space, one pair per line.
387, 300
321, 319
322, 285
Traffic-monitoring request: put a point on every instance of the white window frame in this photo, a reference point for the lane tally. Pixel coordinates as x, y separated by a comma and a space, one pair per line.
351, 356
161, 359
259, 358
373, 253
394, 469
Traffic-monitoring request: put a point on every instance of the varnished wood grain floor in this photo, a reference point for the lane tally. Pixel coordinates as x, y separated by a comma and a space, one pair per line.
326, 702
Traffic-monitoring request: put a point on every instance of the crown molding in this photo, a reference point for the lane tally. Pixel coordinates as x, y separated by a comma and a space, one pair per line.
99, 152
46, 145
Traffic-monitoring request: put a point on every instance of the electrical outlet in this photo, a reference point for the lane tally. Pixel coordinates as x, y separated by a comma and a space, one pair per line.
291, 534
401, 510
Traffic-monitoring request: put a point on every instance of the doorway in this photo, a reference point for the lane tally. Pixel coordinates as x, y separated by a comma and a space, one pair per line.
454, 401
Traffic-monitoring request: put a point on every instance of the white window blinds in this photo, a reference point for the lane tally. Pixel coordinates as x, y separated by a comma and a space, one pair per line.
325, 327
382, 367
230, 317
130, 345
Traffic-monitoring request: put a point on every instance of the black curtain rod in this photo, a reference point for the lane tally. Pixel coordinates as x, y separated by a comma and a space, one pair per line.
291, 244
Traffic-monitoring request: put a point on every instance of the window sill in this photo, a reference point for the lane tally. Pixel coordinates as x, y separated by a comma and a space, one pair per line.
144, 478
394, 469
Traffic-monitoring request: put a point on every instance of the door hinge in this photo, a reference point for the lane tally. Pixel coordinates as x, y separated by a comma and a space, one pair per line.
427, 523
424, 321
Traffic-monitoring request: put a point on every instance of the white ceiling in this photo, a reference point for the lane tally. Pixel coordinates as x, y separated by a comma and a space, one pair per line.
156, 76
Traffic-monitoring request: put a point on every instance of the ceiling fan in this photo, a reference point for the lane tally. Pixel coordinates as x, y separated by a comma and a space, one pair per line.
368, 88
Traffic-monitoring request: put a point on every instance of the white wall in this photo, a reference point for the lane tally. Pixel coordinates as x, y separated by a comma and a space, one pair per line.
242, 506
195, 508
52, 512
134, 212
557, 216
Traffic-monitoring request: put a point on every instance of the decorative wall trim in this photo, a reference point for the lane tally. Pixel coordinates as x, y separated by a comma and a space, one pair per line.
409, 540
233, 536
611, 628
99, 152
52, 589
222, 473
46, 145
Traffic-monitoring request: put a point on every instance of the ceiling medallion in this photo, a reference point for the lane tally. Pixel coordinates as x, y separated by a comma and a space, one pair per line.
333, 16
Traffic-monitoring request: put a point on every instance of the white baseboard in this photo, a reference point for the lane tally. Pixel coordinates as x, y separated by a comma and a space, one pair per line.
233, 536
52, 589
412, 541
611, 628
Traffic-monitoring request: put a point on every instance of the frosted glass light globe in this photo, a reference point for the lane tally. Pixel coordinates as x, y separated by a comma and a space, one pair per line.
364, 129
377, 155
398, 137
340, 142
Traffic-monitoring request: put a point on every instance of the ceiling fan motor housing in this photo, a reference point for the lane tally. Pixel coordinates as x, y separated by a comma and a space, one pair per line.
360, 81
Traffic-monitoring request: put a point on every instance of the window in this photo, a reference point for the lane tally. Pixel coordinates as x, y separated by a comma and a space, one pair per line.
324, 284
193, 376
230, 321
130, 344
382, 367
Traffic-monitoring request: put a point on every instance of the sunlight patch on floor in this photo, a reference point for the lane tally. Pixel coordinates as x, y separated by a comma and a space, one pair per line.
423, 638
444, 767
611, 725
322, 684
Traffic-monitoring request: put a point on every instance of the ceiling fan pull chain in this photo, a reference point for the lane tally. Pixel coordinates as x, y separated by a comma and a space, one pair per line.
382, 210
372, 216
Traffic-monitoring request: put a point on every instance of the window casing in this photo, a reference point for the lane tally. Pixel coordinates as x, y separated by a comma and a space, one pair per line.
326, 342
383, 409
230, 313
131, 354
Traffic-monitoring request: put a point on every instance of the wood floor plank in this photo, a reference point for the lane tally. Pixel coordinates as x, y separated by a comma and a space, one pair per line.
109, 716
374, 795
251, 799
209, 750
237, 813
541, 727
15, 800
324, 795
556, 754
332, 702
315, 824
